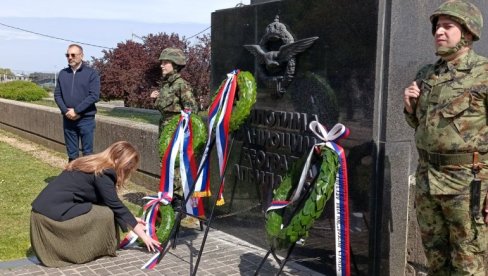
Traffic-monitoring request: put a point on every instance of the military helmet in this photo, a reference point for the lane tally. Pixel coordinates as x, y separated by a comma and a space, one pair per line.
465, 13
174, 55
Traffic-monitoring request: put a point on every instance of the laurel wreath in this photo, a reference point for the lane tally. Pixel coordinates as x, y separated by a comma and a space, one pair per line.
281, 237
245, 100
166, 224
199, 131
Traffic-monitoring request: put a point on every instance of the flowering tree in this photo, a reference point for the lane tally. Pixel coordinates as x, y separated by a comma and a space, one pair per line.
132, 70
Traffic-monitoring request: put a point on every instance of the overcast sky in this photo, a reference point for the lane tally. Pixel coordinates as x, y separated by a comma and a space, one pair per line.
99, 23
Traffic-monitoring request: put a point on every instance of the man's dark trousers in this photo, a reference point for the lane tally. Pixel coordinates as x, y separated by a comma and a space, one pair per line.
82, 129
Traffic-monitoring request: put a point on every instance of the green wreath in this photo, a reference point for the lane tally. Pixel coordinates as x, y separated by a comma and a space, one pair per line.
305, 216
164, 223
246, 99
199, 134
166, 220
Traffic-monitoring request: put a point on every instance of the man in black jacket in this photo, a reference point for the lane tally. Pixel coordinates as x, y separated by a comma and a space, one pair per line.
77, 91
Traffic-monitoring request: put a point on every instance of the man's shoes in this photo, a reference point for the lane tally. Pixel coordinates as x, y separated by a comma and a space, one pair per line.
190, 222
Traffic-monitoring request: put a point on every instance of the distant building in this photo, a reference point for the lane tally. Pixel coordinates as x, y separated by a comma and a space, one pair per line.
17, 76
21, 77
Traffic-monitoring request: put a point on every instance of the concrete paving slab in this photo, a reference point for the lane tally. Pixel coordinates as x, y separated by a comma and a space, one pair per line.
223, 255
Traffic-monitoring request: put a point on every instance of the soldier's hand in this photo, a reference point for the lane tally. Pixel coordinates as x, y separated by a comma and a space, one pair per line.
410, 96
154, 94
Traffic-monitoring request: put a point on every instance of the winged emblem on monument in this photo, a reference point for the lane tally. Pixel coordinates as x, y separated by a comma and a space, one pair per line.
274, 59
276, 51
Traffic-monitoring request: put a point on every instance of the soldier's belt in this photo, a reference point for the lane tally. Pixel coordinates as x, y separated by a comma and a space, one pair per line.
441, 159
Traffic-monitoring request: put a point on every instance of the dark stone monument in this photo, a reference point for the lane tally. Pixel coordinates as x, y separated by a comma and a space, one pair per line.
359, 57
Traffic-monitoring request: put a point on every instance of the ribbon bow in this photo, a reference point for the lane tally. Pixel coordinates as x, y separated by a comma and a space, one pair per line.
328, 139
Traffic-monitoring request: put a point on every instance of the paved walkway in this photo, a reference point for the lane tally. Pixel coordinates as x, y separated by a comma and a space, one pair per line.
223, 255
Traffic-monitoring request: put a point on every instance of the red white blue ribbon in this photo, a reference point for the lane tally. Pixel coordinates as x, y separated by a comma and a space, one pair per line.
181, 143
341, 201
129, 239
341, 196
150, 215
219, 115
188, 172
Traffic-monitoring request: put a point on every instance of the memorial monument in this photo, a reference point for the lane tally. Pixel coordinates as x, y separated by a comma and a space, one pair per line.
351, 64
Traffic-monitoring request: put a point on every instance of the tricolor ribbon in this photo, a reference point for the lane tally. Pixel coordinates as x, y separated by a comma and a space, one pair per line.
219, 115
150, 215
341, 197
341, 212
181, 143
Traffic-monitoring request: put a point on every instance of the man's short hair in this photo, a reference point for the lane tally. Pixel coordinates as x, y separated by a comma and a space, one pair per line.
77, 46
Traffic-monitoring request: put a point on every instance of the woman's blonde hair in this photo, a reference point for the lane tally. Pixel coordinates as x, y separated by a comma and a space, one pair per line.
120, 156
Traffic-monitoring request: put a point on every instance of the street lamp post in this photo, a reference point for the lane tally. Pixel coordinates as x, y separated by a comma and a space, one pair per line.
55, 73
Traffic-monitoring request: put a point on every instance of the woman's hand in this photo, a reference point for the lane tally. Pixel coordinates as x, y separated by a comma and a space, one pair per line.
151, 244
141, 221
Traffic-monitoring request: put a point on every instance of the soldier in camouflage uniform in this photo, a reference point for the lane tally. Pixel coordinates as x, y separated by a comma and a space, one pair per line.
174, 96
447, 107
175, 93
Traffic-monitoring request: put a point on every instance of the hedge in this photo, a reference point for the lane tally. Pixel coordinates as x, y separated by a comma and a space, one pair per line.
22, 91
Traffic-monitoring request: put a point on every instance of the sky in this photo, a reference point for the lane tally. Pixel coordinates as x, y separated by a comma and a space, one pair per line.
34, 34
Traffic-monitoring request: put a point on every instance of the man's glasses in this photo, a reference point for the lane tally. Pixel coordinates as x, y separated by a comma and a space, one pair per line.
71, 55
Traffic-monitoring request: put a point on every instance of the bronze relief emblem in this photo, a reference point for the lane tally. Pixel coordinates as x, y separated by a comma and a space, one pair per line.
276, 51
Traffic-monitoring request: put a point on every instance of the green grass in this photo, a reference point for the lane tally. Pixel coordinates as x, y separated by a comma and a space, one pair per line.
141, 117
22, 177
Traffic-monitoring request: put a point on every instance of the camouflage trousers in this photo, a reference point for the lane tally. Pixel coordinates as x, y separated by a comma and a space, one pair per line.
454, 241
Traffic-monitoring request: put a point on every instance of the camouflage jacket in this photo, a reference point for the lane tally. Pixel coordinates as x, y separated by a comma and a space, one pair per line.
175, 95
451, 117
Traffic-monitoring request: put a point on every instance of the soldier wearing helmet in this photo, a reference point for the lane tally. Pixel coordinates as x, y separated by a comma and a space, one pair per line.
446, 104
175, 93
174, 96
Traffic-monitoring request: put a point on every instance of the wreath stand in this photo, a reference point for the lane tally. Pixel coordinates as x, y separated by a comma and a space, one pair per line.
299, 205
290, 249
182, 211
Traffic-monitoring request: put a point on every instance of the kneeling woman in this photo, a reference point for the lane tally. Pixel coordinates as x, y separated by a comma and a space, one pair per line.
73, 218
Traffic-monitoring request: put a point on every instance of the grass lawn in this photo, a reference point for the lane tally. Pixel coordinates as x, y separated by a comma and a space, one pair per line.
22, 177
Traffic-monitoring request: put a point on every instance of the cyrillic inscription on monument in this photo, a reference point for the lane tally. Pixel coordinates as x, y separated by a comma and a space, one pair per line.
272, 141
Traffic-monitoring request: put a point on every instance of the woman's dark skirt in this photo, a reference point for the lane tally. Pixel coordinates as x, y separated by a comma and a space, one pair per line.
75, 241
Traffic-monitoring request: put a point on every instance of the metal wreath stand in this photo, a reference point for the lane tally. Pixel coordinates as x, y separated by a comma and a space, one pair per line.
298, 206
315, 167
182, 211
